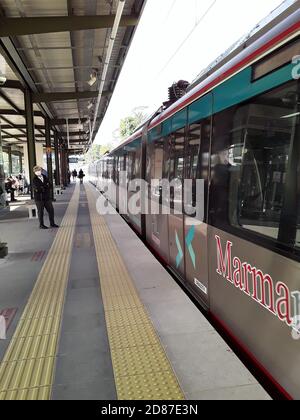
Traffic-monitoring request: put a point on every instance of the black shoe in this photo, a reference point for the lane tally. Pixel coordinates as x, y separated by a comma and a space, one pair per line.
54, 226
43, 227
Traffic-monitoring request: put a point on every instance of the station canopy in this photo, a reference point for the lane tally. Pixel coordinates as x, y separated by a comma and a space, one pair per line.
69, 55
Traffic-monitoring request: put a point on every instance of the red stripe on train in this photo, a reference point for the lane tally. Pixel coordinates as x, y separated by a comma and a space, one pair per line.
252, 358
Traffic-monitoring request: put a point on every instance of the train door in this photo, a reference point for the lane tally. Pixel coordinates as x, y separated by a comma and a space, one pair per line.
123, 182
118, 170
134, 176
156, 220
130, 176
195, 208
176, 222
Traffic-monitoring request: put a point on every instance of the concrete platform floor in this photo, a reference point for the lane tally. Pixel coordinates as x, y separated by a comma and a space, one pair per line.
204, 365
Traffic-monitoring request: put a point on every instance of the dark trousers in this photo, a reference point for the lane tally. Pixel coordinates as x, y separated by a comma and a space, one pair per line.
12, 195
41, 205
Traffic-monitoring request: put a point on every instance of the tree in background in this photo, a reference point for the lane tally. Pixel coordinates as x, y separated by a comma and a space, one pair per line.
96, 152
129, 124
127, 127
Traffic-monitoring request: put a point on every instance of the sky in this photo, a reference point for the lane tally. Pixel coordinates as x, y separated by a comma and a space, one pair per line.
176, 39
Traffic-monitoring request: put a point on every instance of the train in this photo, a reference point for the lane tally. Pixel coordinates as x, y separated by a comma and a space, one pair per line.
237, 128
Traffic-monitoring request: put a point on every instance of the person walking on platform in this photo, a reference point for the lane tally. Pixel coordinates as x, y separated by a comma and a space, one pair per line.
42, 197
10, 187
81, 176
74, 175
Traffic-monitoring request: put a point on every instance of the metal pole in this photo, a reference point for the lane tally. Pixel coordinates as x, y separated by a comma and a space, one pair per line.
3, 246
67, 166
90, 129
56, 151
63, 167
68, 134
20, 162
10, 170
67, 153
30, 135
49, 154
2, 175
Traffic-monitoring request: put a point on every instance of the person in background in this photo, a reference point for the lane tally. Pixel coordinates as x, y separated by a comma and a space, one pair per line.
10, 188
16, 185
26, 186
42, 197
81, 175
74, 175
21, 183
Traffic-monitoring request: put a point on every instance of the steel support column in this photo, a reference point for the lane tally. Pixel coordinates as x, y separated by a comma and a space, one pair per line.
10, 168
21, 162
2, 175
56, 153
3, 246
67, 167
63, 167
49, 154
30, 135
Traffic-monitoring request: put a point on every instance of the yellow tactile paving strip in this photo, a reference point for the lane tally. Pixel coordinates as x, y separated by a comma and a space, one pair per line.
141, 368
27, 369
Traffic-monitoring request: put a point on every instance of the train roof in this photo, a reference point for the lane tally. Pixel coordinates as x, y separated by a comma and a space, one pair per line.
280, 25
273, 19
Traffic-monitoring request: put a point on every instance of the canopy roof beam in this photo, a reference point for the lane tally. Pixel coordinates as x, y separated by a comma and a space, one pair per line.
10, 27
65, 96
20, 113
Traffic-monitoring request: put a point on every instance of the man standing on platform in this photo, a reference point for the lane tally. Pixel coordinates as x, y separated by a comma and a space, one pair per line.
42, 197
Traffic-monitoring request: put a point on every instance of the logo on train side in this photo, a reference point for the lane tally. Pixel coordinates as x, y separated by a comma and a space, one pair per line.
274, 297
189, 243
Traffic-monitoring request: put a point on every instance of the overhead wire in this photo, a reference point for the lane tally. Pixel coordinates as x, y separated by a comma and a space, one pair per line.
197, 23
170, 11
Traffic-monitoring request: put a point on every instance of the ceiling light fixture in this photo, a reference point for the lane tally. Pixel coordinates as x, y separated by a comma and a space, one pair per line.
93, 78
2, 78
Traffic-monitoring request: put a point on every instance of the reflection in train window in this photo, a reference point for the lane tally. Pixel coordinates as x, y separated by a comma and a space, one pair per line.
176, 169
256, 161
197, 166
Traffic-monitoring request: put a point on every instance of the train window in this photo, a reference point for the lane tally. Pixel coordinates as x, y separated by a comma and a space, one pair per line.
256, 166
157, 157
138, 162
197, 160
176, 167
118, 169
157, 162
115, 170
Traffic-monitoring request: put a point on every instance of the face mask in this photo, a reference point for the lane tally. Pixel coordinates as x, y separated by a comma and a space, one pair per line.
38, 173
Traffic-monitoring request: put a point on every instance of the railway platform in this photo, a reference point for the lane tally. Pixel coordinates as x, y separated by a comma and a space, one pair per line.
92, 315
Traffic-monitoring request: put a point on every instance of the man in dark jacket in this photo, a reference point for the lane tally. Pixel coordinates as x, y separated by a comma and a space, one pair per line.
42, 197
